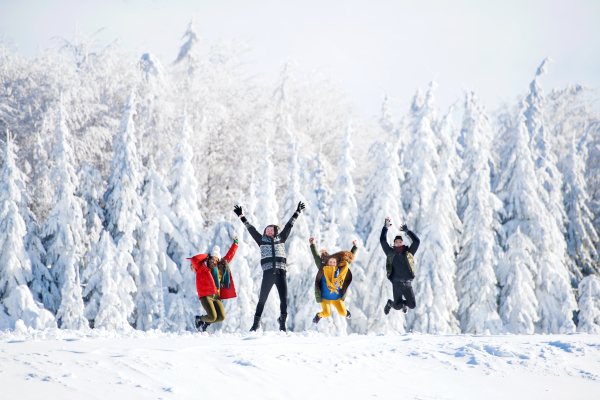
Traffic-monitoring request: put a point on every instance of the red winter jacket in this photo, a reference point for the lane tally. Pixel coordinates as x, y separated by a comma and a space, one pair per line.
205, 285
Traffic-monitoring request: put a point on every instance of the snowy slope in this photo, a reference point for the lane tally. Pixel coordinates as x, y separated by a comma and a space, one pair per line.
98, 364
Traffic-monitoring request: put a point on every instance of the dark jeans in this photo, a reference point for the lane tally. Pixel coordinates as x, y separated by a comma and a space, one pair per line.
270, 279
403, 289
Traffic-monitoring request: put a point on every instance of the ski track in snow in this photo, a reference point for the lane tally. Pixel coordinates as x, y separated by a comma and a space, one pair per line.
99, 364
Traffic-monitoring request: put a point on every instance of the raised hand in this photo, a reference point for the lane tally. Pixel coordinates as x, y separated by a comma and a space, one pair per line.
311, 240
388, 222
238, 210
235, 240
354, 243
300, 207
403, 227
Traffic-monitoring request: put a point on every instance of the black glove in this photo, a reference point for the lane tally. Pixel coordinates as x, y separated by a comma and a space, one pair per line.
404, 228
300, 207
237, 210
388, 222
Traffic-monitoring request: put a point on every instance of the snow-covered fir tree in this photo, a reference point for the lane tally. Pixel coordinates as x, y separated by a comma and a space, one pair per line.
518, 304
382, 198
109, 285
16, 300
300, 267
151, 259
477, 286
187, 238
421, 160
517, 187
386, 120
435, 262
589, 305
581, 235
65, 231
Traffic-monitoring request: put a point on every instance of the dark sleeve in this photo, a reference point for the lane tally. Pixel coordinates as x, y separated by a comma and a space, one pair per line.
354, 250
383, 239
288, 227
415, 242
316, 256
252, 230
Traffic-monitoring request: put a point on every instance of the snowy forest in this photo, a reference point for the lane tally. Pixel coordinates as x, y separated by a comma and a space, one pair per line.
115, 170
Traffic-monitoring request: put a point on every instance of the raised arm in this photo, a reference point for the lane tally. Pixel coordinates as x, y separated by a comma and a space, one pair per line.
315, 253
229, 256
197, 261
252, 230
415, 242
288, 227
383, 240
354, 248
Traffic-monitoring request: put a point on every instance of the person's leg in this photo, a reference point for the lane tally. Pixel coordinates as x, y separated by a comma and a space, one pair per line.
398, 289
211, 313
340, 307
220, 311
326, 306
265, 288
409, 295
281, 284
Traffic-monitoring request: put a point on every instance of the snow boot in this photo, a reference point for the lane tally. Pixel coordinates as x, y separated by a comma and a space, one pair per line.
348, 314
198, 324
256, 324
405, 309
205, 326
316, 319
281, 321
388, 307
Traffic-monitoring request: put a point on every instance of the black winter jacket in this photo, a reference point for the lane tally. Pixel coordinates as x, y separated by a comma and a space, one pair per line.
400, 266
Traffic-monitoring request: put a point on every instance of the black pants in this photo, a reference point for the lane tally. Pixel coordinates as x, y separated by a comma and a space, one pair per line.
269, 279
403, 289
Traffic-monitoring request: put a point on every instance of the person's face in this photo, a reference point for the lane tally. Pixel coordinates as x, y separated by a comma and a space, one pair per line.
212, 262
332, 262
398, 242
270, 231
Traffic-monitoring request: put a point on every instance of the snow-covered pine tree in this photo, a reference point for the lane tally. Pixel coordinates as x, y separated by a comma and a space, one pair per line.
517, 187
581, 235
109, 285
187, 238
589, 305
90, 190
151, 258
435, 262
592, 173
301, 268
386, 120
16, 300
382, 198
518, 304
344, 214
477, 286
421, 159
549, 177
319, 197
65, 231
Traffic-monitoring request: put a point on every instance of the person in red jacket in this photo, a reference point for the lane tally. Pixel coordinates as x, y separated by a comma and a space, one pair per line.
213, 283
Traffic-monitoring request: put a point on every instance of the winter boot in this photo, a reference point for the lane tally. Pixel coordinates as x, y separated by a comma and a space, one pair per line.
255, 324
281, 321
198, 324
388, 307
316, 319
348, 314
205, 326
405, 309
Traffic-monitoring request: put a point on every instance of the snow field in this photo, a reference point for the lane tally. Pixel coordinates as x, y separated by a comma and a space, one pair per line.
99, 364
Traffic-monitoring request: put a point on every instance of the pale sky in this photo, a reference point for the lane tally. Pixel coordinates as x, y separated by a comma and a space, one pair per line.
370, 47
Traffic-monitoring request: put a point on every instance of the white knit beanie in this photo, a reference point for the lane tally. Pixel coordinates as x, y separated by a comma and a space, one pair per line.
216, 252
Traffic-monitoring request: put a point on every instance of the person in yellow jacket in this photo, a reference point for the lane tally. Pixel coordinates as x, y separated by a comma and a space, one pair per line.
332, 280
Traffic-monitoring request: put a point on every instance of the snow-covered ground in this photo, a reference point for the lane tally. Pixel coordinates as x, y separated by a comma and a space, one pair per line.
98, 364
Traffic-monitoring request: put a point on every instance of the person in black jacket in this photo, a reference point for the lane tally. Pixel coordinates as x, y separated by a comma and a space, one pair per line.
273, 263
400, 268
